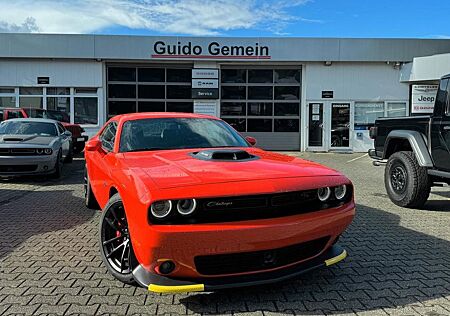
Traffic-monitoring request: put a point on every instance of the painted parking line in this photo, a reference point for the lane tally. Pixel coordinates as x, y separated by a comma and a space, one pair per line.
354, 159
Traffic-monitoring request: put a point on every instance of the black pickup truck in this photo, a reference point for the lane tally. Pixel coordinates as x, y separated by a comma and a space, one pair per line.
416, 151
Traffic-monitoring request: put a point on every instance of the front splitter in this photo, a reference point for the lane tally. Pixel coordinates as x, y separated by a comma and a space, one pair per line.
162, 284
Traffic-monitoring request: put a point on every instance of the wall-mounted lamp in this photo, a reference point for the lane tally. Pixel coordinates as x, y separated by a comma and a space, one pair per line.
328, 63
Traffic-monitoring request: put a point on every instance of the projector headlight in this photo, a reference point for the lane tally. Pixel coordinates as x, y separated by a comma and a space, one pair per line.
48, 151
186, 207
161, 209
340, 192
324, 194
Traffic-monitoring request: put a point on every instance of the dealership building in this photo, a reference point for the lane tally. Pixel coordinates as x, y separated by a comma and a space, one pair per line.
308, 94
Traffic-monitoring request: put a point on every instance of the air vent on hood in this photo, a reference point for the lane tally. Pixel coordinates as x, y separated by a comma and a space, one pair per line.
224, 155
12, 139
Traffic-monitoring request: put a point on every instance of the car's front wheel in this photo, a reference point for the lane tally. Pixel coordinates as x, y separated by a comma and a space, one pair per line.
115, 244
407, 183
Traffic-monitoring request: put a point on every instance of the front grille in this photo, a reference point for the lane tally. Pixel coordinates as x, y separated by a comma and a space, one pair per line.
259, 260
17, 151
18, 168
264, 206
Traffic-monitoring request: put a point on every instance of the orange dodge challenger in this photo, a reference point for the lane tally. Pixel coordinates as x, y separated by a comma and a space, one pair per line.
188, 204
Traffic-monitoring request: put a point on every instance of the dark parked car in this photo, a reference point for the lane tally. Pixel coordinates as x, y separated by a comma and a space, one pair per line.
416, 150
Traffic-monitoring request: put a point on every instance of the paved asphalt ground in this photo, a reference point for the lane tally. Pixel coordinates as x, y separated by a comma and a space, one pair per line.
398, 264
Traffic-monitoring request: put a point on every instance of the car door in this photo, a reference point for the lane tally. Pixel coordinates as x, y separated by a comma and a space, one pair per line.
65, 140
440, 134
102, 161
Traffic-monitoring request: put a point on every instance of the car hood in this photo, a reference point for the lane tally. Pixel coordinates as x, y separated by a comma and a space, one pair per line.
175, 168
26, 140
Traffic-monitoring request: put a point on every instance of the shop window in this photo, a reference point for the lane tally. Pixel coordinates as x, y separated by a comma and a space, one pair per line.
151, 91
259, 108
233, 93
232, 108
121, 107
287, 109
151, 75
151, 107
121, 74
186, 107
396, 109
260, 76
179, 75
31, 102
30, 91
179, 92
259, 125
122, 91
287, 125
59, 104
85, 110
8, 102
287, 76
287, 93
58, 91
4, 90
366, 113
260, 93
237, 123
234, 76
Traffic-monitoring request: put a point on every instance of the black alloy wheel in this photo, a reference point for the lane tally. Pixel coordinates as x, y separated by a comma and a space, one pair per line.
398, 177
115, 244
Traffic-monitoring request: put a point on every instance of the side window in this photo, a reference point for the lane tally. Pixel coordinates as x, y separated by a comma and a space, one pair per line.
108, 136
14, 114
61, 128
441, 97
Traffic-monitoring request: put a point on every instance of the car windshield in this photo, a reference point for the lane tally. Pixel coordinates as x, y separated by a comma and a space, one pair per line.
48, 114
27, 128
177, 133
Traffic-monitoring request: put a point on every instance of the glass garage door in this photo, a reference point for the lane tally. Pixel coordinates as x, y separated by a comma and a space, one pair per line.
264, 103
149, 89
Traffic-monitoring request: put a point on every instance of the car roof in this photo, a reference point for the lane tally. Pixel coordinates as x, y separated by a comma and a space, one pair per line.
41, 120
149, 115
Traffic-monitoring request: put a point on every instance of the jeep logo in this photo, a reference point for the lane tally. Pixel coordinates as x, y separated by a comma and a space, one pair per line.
219, 204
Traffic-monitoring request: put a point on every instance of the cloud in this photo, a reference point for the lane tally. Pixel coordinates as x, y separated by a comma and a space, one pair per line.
194, 17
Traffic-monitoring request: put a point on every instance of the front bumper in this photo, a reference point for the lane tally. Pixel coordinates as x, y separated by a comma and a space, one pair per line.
27, 165
163, 284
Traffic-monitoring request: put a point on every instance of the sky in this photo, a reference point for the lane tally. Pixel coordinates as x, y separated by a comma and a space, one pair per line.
294, 18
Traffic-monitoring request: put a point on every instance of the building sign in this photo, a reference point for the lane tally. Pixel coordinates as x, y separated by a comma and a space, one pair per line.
206, 107
43, 80
213, 49
327, 94
422, 98
205, 83
205, 73
205, 93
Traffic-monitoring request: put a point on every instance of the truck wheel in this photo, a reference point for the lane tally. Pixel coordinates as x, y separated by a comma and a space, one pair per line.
407, 183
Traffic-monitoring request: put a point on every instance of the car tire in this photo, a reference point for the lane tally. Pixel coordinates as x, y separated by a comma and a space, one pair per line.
69, 157
58, 167
115, 244
406, 182
89, 198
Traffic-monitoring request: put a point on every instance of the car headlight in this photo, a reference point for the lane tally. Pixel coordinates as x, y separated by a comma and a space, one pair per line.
161, 209
186, 207
48, 151
340, 192
39, 151
324, 194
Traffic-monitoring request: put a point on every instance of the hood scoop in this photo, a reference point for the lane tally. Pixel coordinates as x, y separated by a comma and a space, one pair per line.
224, 155
12, 139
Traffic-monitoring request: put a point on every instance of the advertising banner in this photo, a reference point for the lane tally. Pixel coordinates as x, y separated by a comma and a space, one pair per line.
422, 98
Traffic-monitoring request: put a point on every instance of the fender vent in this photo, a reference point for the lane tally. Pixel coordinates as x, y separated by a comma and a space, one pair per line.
224, 155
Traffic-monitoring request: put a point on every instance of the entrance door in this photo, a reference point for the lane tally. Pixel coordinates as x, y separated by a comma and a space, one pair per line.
340, 126
316, 135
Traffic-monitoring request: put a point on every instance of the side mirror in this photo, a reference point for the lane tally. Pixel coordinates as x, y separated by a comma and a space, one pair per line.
93, 145
67, 133
250, 140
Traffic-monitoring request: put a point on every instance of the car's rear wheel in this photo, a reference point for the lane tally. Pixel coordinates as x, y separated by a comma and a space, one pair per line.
115, 244
58, 166
89, 198
407, 183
